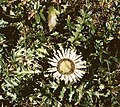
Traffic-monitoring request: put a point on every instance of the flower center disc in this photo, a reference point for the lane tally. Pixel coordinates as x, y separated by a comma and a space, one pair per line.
66, 66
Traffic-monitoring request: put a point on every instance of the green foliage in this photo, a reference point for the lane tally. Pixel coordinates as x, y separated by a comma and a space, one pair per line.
28, 38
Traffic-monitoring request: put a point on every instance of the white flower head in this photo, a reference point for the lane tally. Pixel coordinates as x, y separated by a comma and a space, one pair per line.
67, 65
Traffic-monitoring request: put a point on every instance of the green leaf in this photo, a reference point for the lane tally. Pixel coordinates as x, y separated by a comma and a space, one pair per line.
62, 93
8, 84
42, 15
11, 95
71, 95
54, 85
37, 5
37, 18
28, 72
14, 83
44, 98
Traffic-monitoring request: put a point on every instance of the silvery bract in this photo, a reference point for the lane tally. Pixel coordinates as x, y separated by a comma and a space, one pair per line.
67, 65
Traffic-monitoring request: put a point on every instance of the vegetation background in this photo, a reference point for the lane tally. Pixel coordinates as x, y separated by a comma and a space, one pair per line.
29, 32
